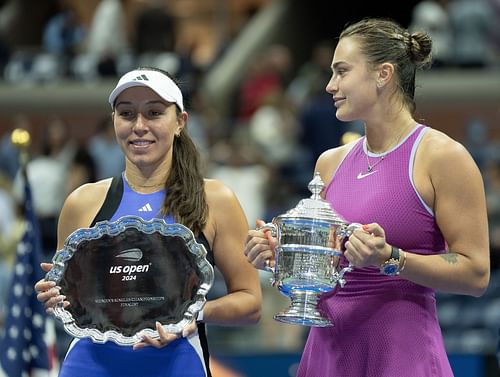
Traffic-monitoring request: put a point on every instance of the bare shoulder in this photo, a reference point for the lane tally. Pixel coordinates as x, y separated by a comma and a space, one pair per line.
438, 149
222, 201
330, 159
225, 212
218, 192
81, 206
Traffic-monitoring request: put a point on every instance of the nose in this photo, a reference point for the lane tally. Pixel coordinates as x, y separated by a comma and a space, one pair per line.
140, 126
332, 86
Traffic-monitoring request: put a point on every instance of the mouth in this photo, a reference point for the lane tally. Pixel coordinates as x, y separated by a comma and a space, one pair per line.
338, 100
140, 143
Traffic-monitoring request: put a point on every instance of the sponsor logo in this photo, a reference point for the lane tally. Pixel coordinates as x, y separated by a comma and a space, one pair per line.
129, 255
364, 175
146, 208
141, 78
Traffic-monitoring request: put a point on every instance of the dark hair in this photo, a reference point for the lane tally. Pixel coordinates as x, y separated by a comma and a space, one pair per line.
384, 40
185, 186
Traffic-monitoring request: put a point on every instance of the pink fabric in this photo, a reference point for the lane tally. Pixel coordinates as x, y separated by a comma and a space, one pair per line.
383, 326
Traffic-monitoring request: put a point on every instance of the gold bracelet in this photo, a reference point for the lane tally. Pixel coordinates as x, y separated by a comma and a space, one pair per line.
403, 262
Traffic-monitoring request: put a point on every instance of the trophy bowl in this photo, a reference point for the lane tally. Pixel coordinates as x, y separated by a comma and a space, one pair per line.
122, 277
310, 240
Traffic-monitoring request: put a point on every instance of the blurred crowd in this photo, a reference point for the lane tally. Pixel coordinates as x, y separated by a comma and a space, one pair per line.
280, 120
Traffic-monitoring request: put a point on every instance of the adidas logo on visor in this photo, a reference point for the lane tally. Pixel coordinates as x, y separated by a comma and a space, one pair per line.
141, 78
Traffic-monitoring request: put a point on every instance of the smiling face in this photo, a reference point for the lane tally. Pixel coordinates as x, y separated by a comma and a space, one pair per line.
145, 126
353, 84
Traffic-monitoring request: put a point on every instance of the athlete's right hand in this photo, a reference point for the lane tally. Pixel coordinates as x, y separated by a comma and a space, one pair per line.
259, 247
48, 293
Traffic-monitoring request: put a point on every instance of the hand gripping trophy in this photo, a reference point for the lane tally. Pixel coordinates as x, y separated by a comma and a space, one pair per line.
310, 241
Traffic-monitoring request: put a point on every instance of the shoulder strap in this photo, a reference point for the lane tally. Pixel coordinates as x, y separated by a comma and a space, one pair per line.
112, 200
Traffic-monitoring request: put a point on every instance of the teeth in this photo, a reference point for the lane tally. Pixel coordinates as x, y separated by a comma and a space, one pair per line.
141, 142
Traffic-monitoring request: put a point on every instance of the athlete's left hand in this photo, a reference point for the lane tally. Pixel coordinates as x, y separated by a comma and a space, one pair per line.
165, 337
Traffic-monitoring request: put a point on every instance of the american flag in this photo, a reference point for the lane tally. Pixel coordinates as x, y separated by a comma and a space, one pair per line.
23, 346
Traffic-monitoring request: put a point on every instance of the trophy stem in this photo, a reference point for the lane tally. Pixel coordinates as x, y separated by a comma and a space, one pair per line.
303, 310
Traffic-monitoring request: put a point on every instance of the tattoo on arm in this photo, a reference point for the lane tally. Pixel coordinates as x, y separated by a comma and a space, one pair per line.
451, 258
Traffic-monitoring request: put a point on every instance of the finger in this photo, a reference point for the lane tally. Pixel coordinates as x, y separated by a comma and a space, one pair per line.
44, 285
272, 241
166, 337
374, 229
46, 266
259, 223
258, 255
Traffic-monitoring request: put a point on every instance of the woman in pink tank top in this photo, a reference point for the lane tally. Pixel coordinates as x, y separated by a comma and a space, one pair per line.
420, 197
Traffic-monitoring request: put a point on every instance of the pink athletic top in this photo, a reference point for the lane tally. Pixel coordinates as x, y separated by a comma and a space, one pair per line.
383, 326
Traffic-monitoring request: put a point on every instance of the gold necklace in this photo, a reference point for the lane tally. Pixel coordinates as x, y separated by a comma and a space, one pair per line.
154, 187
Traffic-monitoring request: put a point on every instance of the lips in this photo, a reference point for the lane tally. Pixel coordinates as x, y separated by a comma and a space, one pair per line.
338, 100
141, 143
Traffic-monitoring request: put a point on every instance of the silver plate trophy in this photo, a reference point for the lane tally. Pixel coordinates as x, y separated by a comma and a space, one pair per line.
121, 277
310, 239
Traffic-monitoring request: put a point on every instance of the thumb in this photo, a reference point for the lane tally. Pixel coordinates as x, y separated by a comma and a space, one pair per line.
259, 223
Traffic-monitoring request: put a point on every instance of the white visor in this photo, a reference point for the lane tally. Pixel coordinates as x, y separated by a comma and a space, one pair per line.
157, 81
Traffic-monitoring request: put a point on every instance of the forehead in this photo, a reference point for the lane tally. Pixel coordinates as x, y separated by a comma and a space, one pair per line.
348, 51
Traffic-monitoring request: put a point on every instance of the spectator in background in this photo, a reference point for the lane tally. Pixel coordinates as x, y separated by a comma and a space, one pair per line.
311, 77
432, 16
105, 151
154, 28
267, 74
473, 23
106, 43
47, 174
81, 170
64, 33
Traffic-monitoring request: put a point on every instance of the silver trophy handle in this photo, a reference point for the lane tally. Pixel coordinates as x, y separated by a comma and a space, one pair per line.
338, 277
274, 230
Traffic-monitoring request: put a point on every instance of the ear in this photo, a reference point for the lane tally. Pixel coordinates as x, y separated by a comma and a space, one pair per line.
385, 73
181, 122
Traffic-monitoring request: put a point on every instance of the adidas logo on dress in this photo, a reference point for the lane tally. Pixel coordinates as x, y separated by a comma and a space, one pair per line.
146, 208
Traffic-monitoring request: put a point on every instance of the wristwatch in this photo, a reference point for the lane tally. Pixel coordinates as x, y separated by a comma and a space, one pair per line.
391, 266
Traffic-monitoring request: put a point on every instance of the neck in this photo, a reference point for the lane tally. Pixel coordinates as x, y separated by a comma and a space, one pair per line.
380, 139
145, 184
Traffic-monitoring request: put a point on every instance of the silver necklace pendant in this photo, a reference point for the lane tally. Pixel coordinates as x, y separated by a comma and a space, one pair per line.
370, 166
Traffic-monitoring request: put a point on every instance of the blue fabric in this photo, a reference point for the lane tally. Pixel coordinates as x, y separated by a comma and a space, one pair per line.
86, 359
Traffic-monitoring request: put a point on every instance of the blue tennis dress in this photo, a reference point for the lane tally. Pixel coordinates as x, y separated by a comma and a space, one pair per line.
185, 357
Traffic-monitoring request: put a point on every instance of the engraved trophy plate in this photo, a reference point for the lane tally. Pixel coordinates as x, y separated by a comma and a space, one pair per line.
310, 242
121, 277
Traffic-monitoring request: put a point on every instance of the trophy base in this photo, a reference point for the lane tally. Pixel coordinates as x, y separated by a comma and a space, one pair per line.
303, 310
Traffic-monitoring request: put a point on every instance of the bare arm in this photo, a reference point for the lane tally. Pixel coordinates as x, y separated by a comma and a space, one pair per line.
227, 229
456, 193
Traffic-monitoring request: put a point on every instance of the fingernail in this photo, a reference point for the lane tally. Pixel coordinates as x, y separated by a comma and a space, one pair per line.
365, 227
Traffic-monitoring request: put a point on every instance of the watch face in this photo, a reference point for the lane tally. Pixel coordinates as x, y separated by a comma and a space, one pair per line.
390, 269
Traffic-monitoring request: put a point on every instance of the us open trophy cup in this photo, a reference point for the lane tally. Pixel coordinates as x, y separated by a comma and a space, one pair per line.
121, 277
310, 238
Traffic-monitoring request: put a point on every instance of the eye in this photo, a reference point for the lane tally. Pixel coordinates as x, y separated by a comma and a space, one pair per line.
341, 71
125, 113
155, 113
